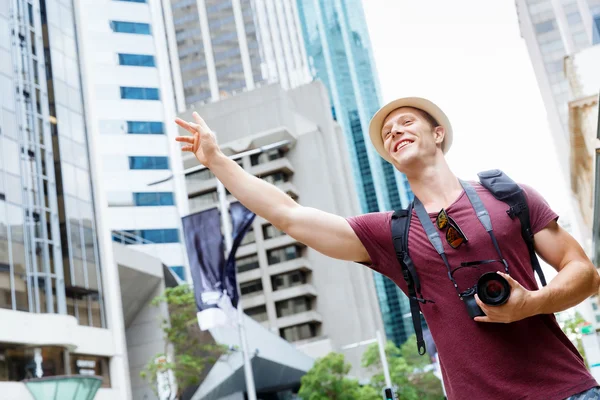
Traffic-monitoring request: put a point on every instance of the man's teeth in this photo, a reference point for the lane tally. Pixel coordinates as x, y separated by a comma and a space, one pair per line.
402, 144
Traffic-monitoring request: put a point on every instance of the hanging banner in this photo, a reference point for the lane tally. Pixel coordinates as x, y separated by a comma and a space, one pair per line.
214, 278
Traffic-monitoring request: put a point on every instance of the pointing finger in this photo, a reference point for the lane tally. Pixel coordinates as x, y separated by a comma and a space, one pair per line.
185, 125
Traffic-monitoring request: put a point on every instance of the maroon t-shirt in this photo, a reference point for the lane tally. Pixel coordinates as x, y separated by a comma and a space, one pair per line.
528, 359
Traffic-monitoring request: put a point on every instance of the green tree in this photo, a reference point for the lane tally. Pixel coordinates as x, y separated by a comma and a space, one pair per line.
193, 351
406, 371
327, 380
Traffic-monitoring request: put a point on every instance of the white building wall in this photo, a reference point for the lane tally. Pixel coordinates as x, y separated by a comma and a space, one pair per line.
111, 113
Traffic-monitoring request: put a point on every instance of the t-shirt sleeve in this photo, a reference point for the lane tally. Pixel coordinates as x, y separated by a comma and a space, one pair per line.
540, 212
374, 232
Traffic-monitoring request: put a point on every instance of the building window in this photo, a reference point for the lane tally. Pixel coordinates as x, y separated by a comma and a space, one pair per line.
287, 280
594, 306
298, 332
284, 254
545, 26
259, 314
18, 362
145, 127
91, 365
140, 162
276, 178
270, 232
153, 199
203, 200
143, 236
138, 60
266, 156
247, 263
139, 93
251, 287
293, 306
179, 271
130, 27
596, 30
200, 176
249, 238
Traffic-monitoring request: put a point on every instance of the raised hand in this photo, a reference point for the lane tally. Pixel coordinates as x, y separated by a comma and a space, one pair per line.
203, 142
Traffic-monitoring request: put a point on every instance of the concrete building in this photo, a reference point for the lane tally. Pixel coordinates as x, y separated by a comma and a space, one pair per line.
222, 47
581, 70
340, 55
317, 303
553, 29
130, 110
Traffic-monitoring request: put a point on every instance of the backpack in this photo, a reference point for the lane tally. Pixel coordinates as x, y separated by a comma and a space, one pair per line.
503, 188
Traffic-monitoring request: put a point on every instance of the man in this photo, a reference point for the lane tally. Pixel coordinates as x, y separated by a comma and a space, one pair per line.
515, 351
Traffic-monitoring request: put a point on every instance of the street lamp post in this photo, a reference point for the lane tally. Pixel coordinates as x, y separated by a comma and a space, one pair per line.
381, 344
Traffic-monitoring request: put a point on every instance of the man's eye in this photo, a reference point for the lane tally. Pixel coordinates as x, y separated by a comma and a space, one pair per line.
385, 135
407, 122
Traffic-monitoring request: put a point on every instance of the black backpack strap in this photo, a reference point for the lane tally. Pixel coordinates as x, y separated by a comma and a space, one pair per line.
400, 227
505, 189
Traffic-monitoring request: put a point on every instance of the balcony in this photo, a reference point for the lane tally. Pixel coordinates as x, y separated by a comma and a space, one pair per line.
195, 186
253, 300
301, 263
306, 289
278, 165
300, 318
246, 250
249, 276
281, 241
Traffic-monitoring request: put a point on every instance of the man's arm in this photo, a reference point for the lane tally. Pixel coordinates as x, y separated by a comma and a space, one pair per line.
577, 279
327, 233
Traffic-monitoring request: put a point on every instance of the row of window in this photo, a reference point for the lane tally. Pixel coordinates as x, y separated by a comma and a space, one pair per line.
151, 235
283, 308
145, 127
278, 282
274, 256
139, 93
153, 199
148, 162
140, 60
139, 28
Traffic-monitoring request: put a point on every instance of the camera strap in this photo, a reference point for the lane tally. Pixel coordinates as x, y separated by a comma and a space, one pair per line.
434, 236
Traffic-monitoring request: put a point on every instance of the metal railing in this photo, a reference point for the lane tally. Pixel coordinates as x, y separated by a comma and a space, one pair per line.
128, 238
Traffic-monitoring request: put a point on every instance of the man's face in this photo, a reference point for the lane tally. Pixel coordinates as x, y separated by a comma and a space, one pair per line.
409, 138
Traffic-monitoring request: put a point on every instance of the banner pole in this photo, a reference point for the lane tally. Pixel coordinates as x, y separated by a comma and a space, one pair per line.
227, 233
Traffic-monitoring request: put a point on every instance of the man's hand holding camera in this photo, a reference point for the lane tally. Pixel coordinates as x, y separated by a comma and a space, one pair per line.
520, 305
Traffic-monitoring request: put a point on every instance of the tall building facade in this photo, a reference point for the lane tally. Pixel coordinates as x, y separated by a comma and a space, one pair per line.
222, 47
553, 29
339, 54
315, 302
130, 112
59, 315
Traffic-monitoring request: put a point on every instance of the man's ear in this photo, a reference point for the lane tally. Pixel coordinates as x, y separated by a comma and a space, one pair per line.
439, 133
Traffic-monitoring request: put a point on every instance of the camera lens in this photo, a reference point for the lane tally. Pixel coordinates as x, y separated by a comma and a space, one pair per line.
493, 289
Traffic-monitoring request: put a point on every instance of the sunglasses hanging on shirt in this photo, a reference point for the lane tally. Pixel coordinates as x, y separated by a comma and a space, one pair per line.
454, 235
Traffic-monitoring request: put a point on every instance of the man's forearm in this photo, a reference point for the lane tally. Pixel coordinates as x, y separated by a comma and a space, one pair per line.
574, 283
260, 197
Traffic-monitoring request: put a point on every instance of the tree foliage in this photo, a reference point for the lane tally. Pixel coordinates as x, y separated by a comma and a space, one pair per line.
327, 379
190, 355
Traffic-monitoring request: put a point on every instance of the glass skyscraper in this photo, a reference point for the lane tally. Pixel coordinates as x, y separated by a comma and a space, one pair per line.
339, 54
49, 261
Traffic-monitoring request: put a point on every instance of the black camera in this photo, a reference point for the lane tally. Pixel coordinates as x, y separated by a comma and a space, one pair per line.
492, 290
